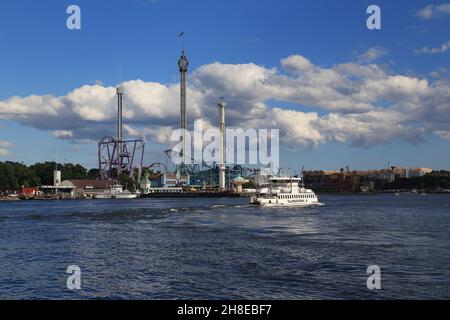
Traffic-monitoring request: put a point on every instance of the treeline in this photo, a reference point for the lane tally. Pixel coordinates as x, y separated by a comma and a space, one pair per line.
14, 175
431, 181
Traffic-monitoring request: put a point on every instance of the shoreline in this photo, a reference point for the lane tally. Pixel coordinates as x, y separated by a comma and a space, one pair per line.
221, 195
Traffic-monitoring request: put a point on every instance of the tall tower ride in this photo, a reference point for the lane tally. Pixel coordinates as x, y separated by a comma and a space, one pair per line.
183, 65
119, 91
222, 167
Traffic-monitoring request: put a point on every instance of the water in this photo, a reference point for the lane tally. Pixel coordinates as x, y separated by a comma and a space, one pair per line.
225, 249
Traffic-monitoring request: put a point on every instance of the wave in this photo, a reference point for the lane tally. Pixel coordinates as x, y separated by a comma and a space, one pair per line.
217, 206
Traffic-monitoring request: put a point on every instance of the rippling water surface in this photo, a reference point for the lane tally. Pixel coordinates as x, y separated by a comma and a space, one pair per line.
225, 249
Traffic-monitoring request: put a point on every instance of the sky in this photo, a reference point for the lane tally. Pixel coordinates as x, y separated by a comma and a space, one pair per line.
340, 94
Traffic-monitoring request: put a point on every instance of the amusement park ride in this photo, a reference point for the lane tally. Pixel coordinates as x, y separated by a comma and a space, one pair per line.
119, 155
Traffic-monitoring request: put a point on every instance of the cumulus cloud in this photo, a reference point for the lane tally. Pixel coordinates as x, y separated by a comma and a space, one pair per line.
434, 11
441, 49
360, 103
296, 63
4, 148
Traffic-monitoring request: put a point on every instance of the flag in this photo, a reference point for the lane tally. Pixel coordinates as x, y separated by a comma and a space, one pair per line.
181, 34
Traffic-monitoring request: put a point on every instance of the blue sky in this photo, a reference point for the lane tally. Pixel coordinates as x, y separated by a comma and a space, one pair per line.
40, 56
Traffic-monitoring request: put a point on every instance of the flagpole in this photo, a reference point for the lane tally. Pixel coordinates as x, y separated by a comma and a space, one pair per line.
182, 40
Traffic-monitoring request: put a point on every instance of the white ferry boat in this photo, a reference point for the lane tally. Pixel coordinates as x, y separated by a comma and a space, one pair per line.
116, 192
284, 191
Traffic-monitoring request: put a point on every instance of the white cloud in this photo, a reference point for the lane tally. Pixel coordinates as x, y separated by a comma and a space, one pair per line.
4, 148
426, 13
63, 134
297, 64
300, 125
372, 128
443, 134
355, 102
372, 54
434, 11
443, 9
441, 49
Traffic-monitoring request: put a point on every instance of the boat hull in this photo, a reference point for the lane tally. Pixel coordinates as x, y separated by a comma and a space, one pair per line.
125, 196
274, 203
102, 196
116, 196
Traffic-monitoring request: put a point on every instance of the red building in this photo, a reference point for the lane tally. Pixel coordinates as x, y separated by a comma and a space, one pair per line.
28, 192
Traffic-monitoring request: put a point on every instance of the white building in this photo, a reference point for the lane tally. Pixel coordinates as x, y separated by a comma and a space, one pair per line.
145, 184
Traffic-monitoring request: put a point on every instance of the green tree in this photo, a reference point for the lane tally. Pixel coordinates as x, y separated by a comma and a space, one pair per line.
13, 175
24, 176
73, 171
44, 171
7, 176
93, 173
127, 182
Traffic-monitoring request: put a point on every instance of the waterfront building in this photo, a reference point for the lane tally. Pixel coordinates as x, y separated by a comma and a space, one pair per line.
168, 180
145, 184
77, 188
238, 182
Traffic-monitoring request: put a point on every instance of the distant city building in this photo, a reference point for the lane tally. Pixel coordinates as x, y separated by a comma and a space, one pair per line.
419, 172
360, 180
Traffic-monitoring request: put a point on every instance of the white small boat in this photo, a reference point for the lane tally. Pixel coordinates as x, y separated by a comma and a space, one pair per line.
105, 195
116, 192
126, 195
286, 192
